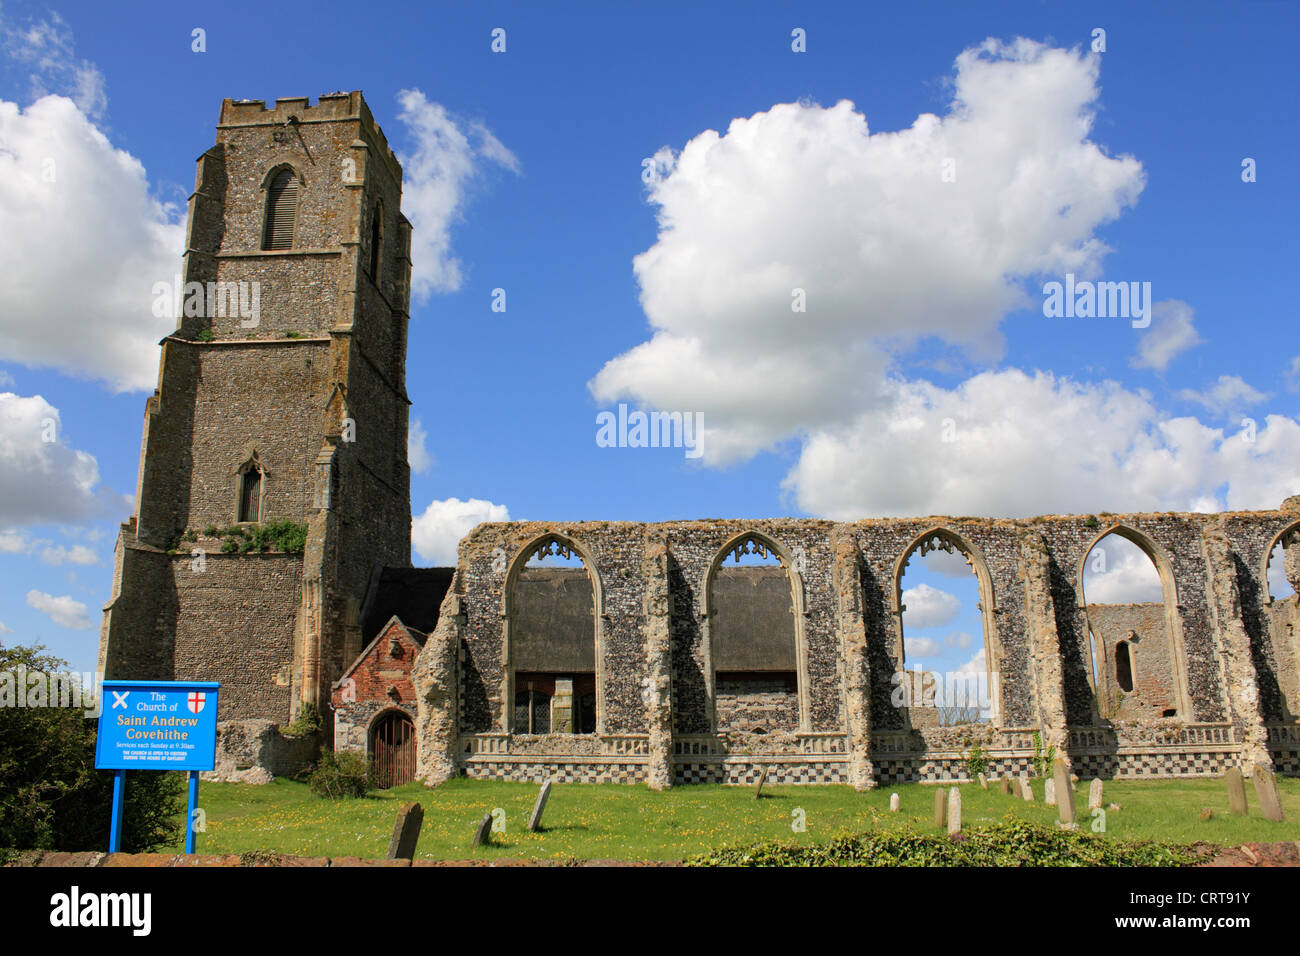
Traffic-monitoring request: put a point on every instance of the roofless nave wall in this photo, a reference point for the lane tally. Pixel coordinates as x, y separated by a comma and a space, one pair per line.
1230, 652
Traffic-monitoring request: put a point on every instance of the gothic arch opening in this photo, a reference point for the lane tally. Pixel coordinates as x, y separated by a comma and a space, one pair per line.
1281, 575
1137, 668
281, 216
554, 665
943, 605
252, 490
754, 648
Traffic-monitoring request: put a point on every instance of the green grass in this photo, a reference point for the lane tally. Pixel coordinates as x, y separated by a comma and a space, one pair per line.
630, 822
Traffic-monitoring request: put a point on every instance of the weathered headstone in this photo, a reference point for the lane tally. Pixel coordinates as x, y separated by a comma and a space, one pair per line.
1064, 792
1005, 785
1270, 804
758, 787
940, 806
893, 803
1026, 789
406, 832
483, 835
1049, 793
535, 821
1236, 791
954, 811
1094, 794
984, 782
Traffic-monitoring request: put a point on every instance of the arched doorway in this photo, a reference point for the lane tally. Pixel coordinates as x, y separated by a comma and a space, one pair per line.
392, 749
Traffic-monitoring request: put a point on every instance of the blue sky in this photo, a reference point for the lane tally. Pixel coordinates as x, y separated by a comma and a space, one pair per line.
924, 306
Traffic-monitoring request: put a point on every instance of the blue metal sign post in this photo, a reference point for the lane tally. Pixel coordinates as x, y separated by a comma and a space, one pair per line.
156, 725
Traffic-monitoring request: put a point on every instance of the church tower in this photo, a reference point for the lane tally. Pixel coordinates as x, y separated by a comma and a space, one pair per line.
273, 469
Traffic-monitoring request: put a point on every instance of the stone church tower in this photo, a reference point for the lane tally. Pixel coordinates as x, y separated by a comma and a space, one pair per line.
281, 402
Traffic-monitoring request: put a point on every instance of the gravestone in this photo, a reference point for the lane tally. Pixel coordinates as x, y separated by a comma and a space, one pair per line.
406, 832
1064, 792
535, 821
984, 782
954, 811
1270, 804
893, 803
483, 835
1049, 793
1236, 792
1026, 790
1005, 785
1094, 794
758, 787
940, 806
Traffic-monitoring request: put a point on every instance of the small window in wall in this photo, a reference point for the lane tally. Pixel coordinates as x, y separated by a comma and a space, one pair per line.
1123, 667
281, 211
250, 493
533, 707
376, 241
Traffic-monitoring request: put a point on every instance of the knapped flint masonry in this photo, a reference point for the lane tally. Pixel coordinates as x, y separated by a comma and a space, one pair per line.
632, 653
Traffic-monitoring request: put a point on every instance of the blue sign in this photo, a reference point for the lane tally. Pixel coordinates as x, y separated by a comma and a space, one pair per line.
157, 725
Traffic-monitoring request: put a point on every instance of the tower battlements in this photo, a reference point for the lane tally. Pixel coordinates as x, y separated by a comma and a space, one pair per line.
298, 110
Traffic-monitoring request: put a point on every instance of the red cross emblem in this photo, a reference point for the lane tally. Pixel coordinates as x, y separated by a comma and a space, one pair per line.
196, 701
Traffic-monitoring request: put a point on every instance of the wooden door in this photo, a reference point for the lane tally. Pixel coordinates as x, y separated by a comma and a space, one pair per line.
392, 749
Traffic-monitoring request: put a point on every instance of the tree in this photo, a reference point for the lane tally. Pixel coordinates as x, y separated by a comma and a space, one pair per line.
51, 795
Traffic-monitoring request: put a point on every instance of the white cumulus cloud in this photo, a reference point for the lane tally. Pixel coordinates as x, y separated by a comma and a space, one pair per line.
1230, 395
435, 534
82, 244
1008, 443
63, 611
929, 607
42, 480
1117, 571
804, 200
417, 453
1172, 332
447, 157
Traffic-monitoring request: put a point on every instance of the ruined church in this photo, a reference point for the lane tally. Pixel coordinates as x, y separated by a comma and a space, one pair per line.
270, 550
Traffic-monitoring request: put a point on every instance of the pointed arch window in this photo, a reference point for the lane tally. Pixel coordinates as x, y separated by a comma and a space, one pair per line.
281, 211
250, 492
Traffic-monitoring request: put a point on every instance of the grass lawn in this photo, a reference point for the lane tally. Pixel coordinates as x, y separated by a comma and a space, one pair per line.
612, 821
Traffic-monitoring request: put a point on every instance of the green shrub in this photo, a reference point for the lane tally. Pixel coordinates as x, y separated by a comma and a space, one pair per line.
340, 775
53, 798
977, 761
1043, 761
1010, 843
306, 723
285, 536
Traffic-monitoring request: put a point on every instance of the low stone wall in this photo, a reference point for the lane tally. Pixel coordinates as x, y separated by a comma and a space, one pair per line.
257, 751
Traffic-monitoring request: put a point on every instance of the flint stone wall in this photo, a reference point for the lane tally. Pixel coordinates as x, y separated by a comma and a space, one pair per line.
845, 592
